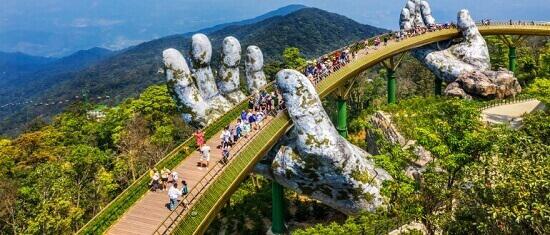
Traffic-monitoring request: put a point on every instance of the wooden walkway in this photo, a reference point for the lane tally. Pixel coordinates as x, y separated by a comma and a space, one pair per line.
151, 210
511, 113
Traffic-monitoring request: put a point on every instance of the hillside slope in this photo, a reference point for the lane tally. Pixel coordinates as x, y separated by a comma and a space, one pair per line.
312, 30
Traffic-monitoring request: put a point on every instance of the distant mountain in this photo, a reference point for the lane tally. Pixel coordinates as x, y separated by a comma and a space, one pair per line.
127, 73
78, 60
279, 12
24, 77
16, 61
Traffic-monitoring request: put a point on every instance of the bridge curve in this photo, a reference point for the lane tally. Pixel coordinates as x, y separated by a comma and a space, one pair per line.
202, 211
361, 64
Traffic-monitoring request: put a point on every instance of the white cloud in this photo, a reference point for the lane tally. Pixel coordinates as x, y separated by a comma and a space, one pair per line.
101, 22
122, 42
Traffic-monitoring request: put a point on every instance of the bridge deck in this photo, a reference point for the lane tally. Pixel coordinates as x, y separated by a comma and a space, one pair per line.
151, 210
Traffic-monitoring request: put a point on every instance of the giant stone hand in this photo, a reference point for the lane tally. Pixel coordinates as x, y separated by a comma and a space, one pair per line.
315, 160
203, 97
465, 66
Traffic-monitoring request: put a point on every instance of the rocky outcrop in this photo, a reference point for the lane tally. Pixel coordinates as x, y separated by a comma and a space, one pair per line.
464, 64
382, 122
201, 96
488, 84
254, 65
315, 160
411, 228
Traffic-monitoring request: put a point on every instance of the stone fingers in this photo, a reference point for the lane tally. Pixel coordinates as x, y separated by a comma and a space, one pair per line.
254, 63
474, 49
228, 76
182, 86
316, 133
405, 19
201, 54
427, 13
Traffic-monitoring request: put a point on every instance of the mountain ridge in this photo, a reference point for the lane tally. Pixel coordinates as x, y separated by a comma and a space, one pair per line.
128, 72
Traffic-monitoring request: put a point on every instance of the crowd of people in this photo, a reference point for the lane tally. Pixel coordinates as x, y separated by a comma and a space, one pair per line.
260, 106
318, 69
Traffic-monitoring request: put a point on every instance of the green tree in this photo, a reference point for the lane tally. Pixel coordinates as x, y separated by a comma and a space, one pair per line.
292, 58
540, 88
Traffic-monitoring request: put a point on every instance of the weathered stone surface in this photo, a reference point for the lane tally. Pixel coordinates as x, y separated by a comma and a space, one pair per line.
490, 84
200, 100
313, 159
382, 121
203, 97
228, 76
180, 82
202, 51
254, 65
468, 58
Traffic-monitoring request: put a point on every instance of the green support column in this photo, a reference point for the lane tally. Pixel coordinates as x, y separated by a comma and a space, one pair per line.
438, 86
342, 117
512, 59
278, 217
392, 87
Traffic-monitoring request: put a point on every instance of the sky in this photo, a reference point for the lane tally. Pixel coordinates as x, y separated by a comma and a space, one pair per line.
60, 27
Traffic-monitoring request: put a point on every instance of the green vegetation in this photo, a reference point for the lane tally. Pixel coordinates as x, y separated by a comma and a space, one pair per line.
57, 176
540, 89
292, 58
488, 180
249, 210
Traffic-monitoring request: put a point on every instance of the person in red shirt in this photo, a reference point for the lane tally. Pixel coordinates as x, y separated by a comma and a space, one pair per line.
199, 137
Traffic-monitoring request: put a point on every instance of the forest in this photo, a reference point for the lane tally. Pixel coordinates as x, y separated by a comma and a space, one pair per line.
487, 179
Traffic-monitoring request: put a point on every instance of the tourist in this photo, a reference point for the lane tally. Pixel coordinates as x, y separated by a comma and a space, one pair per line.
385, 41
225, 155
199, 137
246, 128
205, 156
238, 129
184, 188
259, 118
251, 101
225, 137
252, 120
164, 174
243, 115
173, 194
269, 102
155, 176
175, 176
275, 101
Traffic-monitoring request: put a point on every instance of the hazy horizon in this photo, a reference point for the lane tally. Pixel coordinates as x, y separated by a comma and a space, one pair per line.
57, 28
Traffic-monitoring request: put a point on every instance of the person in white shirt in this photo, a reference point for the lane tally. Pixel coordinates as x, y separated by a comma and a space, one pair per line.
175, 176
259, 118
173, 194
205, 155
